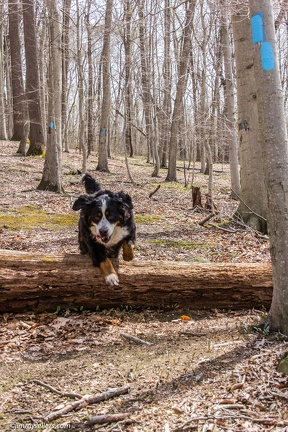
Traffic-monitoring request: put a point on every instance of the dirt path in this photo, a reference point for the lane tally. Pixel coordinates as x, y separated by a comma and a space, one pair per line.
202, 370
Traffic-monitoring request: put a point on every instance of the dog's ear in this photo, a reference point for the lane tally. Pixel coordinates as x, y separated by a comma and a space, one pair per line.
125, 199
81, 202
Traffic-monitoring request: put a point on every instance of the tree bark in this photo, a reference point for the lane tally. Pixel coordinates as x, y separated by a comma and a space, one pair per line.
19, 105
3, 130
36, 134
253, 190
180, 91
43, 283
106, 89
65, 65
274, 151
52, 172
230, 104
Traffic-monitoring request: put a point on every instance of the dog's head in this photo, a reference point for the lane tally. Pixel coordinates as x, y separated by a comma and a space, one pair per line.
106, 214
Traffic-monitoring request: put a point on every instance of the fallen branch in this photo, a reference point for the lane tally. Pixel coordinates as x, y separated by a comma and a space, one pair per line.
135, 339
232, 231
54, 390
206, 219
152, 193
107, 418
87, 400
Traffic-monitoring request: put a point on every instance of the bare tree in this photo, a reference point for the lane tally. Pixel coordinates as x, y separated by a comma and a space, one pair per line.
65, 64
128, 89
36, 135
253, 204
275, 152
19, 105
90, 126
106, 97
165, 123
52, 173
180, 90
230, 103
3, 130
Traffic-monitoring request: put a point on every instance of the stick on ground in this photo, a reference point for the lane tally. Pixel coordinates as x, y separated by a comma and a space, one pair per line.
135, 339
87, 400
107, 418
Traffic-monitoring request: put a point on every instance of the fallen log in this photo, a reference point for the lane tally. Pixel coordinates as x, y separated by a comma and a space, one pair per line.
33, 282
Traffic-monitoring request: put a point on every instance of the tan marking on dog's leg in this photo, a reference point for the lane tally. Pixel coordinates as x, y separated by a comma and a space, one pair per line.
128, 251
109, 272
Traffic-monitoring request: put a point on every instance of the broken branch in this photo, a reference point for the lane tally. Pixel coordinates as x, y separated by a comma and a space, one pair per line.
107, 418
135, 339
87, 400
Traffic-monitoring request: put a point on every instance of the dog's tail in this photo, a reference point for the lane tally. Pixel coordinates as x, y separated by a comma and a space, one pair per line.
91, 185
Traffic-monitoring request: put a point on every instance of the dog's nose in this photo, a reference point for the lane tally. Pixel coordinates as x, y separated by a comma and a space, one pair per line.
103, 233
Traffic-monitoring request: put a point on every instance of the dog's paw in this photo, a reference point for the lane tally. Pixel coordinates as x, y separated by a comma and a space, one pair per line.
112, 279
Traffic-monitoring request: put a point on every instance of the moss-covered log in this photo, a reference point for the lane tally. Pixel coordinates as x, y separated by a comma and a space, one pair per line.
42, 283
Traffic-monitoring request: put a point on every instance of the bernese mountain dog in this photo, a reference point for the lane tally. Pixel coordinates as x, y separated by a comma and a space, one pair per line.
106, 224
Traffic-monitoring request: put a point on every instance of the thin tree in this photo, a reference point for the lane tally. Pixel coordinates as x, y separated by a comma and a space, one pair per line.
19, 104
230, 103
106, 96
65, 65
52, 173
36, 134
81, 84
128, 87
275, 152
90, 126
165, 122
3, 130
180, 89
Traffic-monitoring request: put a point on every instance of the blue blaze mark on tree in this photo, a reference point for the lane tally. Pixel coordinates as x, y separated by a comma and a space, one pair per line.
258, 36
103, 132
267, 56
257, 26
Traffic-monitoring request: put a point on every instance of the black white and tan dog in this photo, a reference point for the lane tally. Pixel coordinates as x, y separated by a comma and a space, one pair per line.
106, 224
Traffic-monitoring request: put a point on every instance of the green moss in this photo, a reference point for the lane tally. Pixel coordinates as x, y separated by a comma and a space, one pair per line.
30, 217
182, 244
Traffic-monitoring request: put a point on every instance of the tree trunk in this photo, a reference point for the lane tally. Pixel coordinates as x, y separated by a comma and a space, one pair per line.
3, 130
275, 153
43, 283
65, 64
253, 205
106, 97
230, 104
146, 89
180, 90
165, 124
36, 134
19, 105
52, 172
128, 90
90, 126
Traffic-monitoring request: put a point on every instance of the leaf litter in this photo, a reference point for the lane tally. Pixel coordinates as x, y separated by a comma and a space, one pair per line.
192, 370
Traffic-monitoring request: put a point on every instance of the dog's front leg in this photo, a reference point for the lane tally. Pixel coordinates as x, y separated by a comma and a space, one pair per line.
108, 272
128, 250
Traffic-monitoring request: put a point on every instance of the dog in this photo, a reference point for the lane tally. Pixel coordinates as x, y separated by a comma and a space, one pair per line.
106, 224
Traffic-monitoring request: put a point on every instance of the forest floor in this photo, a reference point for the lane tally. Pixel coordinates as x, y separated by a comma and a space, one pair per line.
201, 371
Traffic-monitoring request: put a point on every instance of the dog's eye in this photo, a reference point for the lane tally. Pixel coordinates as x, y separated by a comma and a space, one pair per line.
98, 216
108, 215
